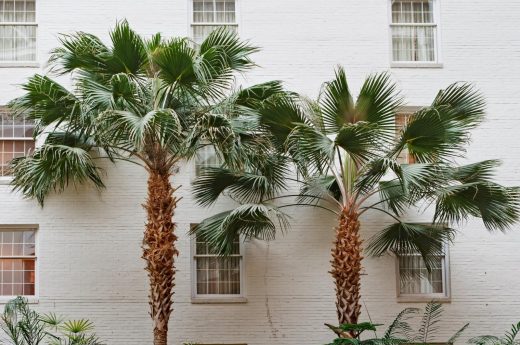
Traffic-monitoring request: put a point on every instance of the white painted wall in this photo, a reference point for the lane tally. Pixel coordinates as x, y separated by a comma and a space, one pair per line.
89, 242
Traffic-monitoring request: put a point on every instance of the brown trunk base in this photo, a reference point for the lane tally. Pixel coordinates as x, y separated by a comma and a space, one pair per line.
346, 268
159, 251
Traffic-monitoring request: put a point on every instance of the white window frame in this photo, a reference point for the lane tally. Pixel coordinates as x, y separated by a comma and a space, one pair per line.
208, 298
191, 23
406, 111
437, 63
30, 63
8, 178
26, 227
444, 297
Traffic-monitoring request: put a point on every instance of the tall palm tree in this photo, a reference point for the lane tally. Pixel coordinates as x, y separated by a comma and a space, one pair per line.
153, 102
347, 156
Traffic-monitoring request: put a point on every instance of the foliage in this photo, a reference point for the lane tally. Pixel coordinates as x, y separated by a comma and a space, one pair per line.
401, 330
153, 102
24, 326
428, 325
509, 338
346, 154
350, 334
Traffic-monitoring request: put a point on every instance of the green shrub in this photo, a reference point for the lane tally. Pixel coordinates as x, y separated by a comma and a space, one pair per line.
24, 326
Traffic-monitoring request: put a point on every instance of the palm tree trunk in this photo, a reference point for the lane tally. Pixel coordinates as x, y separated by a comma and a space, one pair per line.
346, 267
159, 251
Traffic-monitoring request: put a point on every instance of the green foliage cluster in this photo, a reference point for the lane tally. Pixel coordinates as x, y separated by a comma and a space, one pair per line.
24, 326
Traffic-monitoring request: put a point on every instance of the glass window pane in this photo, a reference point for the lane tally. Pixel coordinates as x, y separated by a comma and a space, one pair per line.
415, 278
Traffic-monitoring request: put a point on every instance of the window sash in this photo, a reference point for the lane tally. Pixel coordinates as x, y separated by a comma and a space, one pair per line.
18, 273
423, 280
18, 31
214, 276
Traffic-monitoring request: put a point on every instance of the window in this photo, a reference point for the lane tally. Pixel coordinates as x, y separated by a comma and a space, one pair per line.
206, 158
416, 283
414, 31
208, 15
17, 261
18, 30
217, 277
401, 121
16, 139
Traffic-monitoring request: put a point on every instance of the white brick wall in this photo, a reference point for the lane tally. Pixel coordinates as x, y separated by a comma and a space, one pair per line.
90, 242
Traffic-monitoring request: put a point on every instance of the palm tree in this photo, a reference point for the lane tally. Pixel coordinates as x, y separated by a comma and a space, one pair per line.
153, 102
347, 154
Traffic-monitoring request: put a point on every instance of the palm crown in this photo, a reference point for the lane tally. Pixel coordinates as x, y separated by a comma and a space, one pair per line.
347, 153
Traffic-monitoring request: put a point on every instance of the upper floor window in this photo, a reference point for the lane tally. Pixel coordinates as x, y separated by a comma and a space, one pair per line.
16, 139
414, 31
417, 284
17, 261
401, 121
217, 277
17, 31
208, 15
206, 157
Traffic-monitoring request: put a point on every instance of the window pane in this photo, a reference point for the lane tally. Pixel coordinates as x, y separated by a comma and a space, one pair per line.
413, 43
415, 278
416, 11
17, 277
217, 275
13, 144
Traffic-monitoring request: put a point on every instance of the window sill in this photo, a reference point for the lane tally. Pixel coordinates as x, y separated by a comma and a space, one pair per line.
218, 300
20, 64
416, 65
423, 299
5, 180
31, 300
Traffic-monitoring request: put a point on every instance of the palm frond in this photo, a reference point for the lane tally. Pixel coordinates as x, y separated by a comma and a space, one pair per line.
46, 102
497, 206
52, 168
428, 240
128, 54
337, 105
462, 103
429, 322
360, 140
457, 334
377, 103
252, 221
400, 328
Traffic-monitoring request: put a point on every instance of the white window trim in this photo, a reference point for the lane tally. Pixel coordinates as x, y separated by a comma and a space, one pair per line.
25, 64
438, 41
191, 24
425, 298
6, 180
21, 227
216, 299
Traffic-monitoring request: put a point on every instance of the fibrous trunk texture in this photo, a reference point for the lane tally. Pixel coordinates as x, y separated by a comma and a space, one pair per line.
346, 268
159, 251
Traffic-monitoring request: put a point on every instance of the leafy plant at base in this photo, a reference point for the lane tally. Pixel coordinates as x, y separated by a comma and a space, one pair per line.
509, 338
24, 326
429, 325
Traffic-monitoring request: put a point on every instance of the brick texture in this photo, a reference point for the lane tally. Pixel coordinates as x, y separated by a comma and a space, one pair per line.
89, 242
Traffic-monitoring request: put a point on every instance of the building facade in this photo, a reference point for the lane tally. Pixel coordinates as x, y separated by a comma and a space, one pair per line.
80, 254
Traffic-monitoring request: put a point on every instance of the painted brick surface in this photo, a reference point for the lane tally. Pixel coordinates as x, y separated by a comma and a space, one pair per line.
89, 242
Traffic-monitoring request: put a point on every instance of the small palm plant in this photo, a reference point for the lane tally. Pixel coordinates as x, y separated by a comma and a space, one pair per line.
347, 155
400, 330
152, 102
509, 338
429, 324
24, 326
